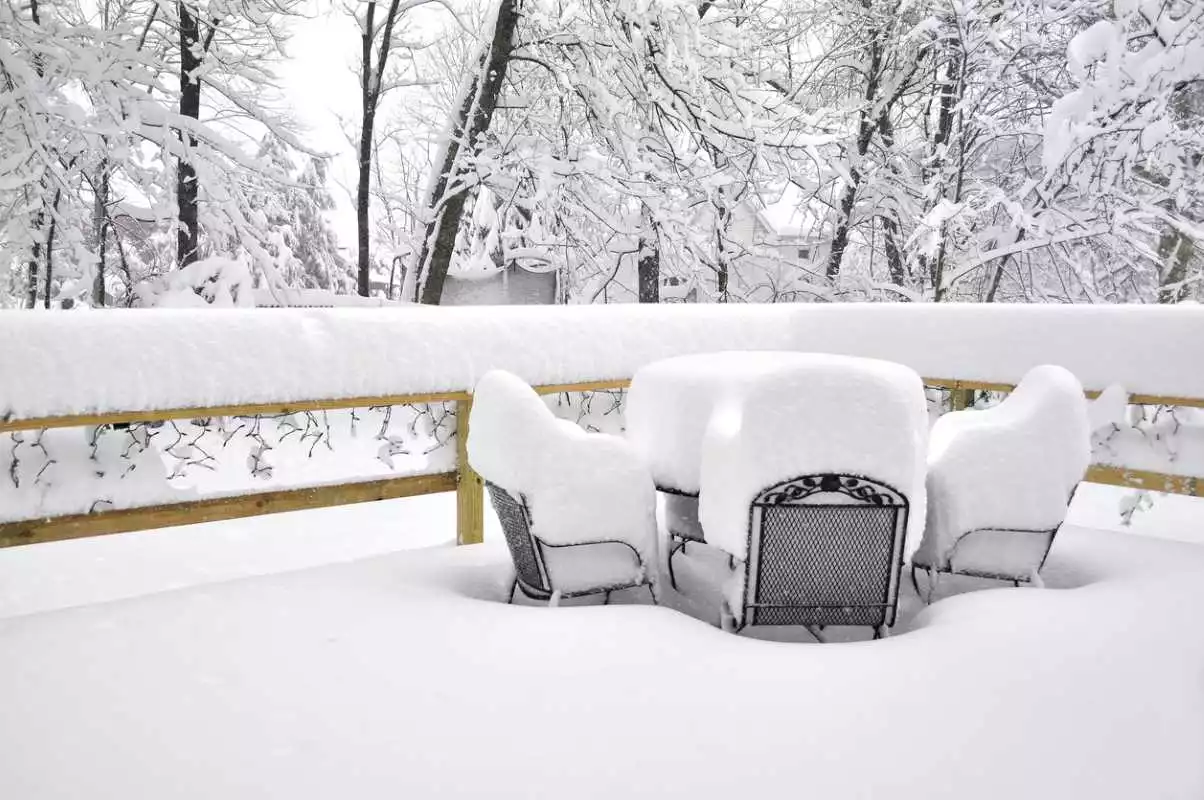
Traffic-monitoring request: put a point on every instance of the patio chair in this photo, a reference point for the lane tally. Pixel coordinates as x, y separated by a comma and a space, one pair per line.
578, 510
810, 481
1000, 481
546, 571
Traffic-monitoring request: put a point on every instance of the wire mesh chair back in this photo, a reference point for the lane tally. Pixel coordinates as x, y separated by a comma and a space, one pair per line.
515, 517
825, 550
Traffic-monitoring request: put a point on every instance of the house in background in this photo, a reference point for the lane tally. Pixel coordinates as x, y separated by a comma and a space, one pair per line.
790, 224
510, 285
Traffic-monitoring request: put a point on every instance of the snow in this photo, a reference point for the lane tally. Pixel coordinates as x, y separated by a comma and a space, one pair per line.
58, 364
1091, 45
817, 414
580, 487
404, 675
1011, 466
670, 403
77, 470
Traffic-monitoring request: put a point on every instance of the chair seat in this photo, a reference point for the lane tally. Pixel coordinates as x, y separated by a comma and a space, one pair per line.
995, 553
586, 567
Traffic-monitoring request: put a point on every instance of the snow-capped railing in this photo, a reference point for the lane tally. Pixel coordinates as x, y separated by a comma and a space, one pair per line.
116, 368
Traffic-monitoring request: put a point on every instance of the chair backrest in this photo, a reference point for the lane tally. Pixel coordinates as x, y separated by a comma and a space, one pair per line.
515, 516
825, 550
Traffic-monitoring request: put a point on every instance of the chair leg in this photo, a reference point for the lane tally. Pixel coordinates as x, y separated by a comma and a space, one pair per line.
816, 632
652, 594
727, 622
915, 583
554, 600
881, 631
513, 589
606, 602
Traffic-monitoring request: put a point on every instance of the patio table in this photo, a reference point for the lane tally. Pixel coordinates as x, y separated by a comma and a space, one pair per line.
669, 407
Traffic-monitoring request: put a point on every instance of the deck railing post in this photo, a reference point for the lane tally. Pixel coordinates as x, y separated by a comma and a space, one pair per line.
470, 489
959, 398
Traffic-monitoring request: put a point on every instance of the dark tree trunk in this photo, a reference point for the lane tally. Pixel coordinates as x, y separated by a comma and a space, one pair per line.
100, 227
446, 201
48, 275
844, 223
368, 97
894, 258
722, 268
1176, 250
949, 93
865, 133
648, 269
190, 107
35, 255
39, 219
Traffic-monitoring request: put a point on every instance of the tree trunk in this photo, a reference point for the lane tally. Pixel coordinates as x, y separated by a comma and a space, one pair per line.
190, 106
722, 267
894, 257
35, 255
49, 271
100, 227
367, 123
844, 222
648, 269
39, 219
865, 133
445, 201
1176, 251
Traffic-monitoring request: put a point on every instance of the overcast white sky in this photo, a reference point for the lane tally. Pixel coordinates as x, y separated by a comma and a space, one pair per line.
320, 85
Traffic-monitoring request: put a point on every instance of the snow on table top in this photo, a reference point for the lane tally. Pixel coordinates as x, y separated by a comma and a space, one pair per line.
406, 676
1011, 466
812, 414
670, 403
121, 360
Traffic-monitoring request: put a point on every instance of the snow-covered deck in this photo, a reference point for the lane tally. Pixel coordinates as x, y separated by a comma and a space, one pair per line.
403, 675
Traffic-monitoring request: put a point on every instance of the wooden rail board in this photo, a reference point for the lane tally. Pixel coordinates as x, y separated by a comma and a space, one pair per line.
1144, 479
243, 410
76, 526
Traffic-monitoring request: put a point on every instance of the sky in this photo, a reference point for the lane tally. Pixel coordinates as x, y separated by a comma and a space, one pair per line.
320, 85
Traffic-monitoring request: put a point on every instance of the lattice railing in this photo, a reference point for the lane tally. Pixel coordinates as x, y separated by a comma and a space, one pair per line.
414, 445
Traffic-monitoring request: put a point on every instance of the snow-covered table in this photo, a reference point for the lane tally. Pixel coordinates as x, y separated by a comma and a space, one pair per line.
672, 403
669, 406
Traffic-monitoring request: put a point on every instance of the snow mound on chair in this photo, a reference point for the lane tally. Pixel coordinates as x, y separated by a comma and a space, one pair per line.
579, 486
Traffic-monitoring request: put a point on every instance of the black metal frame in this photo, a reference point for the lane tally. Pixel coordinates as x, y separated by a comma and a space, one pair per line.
527, 552
798, 493
1016, 580
677, 538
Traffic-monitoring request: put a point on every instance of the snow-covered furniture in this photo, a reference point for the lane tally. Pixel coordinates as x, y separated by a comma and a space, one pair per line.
811, 477
578, 509
667, 410
1000, 480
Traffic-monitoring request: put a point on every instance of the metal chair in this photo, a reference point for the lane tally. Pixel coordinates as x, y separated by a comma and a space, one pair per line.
823, 549
1002, 554
529, 553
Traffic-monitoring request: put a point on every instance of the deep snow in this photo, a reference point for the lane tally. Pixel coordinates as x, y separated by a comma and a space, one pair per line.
403, 675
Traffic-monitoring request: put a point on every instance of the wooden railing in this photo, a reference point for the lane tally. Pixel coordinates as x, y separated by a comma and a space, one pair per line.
469, 488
